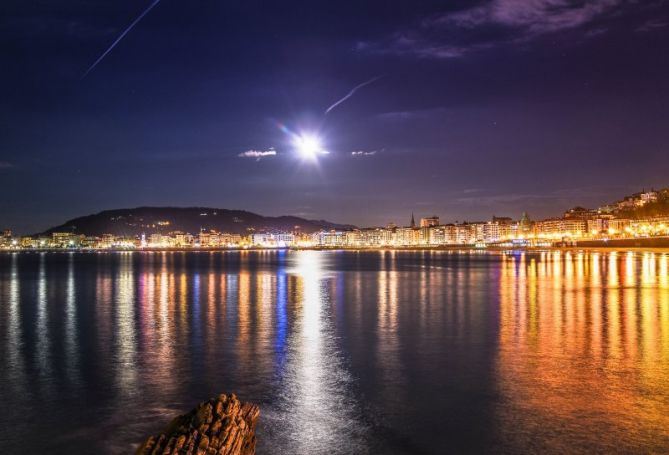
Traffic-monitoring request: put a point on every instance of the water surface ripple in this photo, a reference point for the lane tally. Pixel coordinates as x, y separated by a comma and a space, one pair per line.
345, 352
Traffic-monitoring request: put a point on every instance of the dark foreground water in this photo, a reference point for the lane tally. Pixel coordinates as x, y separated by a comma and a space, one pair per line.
374, 352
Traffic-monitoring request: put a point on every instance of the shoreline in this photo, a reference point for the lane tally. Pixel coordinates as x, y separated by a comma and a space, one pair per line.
454, 248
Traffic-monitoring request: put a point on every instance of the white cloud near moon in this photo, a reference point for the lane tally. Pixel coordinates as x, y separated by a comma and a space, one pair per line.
258, 154
364, 153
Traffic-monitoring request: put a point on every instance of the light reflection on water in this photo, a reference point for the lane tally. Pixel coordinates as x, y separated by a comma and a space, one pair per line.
70, 331
315, 412
582, 354
13, 341
346, 352
42, 329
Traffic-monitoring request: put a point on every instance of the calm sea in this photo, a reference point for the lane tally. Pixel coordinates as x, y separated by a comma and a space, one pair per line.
345, 352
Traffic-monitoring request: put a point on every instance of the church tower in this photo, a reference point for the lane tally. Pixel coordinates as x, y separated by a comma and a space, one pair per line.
413, 221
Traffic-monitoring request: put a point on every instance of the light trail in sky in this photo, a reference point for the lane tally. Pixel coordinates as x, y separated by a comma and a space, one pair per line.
351, 93
121, 36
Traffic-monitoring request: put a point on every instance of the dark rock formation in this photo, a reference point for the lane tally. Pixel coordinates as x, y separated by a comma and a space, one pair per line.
222, 426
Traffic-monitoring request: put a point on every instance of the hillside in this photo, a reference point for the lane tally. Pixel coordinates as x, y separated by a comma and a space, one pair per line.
148, 220
660, 207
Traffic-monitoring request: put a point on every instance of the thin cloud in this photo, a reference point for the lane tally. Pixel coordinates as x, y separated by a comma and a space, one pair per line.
562, 197
596, 32
365, 152
412, 43
6, 165
402, 116
653, 24
532, 17
258, 154
456, 34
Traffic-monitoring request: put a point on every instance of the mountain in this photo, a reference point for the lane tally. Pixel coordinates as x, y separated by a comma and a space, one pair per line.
149, 220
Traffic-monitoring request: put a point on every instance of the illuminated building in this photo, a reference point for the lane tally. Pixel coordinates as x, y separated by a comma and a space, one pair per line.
650, 196
407, 236
525, 224
230, 240
449, 234
353, 237
437, 235
578, 223
181, 239
618, 226
266, 240
598, 225
64, 240
627, 203
387, 236
205, 240
580, 213
495, 231
376, 237
330, 238
466, 233
638, 200
106, 241
560, 227
648, 228
6, 239
607, 209
429, 221
29, 242
212, 239
424, 238
158, 241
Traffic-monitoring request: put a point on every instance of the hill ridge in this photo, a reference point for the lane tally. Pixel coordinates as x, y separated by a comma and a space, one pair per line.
155, 219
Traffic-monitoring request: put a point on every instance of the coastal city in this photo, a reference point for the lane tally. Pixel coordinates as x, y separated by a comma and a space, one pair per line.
640, 215
334, 228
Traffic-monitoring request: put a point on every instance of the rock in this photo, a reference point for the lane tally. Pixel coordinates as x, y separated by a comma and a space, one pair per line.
220, 426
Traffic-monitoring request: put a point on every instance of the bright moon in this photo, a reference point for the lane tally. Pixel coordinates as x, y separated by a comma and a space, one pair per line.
309, 146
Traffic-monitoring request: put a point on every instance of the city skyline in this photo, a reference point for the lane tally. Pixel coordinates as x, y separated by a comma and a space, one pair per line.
642, 216
615, 207
465, 110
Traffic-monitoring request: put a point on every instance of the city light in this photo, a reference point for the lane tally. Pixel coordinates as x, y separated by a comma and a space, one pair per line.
575, 226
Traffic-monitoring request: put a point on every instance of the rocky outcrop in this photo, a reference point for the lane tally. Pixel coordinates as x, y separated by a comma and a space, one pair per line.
222, 426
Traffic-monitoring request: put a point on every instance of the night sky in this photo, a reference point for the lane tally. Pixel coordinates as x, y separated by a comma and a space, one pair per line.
480, 108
